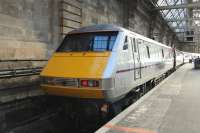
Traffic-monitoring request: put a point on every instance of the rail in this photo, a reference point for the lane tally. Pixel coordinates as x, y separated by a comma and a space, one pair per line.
26, 113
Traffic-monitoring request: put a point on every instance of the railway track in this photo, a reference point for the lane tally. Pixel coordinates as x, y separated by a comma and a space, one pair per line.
31, 113
26, 107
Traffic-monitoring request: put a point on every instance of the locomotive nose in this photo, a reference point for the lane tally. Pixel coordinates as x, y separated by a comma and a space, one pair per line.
75, 74
77, 65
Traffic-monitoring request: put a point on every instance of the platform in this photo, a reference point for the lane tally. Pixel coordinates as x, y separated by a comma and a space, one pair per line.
171, 107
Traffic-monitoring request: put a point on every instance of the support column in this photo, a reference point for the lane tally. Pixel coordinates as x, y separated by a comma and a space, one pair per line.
152, 24
130, 8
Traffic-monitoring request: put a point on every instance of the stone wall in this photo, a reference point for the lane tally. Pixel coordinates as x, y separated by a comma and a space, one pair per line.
104, 11
27, 28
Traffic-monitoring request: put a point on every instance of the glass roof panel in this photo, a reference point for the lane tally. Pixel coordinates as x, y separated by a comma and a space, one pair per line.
162, 3
174, 17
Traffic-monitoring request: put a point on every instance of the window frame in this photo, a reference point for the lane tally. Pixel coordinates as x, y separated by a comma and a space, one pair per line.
65, 45
126, 42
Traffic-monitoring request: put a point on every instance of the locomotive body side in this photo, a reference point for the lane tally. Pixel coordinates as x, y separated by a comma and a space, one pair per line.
143, 60
132, 61
179, 57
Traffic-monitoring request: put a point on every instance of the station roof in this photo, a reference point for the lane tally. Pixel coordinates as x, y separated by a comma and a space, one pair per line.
183, 16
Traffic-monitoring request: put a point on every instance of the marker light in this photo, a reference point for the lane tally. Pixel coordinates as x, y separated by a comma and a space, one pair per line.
84, 83
89, 83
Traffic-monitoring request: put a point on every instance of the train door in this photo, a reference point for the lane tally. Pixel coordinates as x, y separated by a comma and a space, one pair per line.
136, 58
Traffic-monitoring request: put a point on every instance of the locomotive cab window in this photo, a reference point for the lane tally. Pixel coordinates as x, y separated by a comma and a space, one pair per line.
102, 41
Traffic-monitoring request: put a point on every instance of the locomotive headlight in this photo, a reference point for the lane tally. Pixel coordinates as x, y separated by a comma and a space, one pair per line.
46, 80
89, 83
69, 82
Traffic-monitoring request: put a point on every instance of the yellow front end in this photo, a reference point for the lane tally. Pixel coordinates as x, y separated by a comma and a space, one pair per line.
77, 66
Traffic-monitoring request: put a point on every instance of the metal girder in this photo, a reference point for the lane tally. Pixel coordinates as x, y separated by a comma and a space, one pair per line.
190, 5
185, 27
181, 19
180, 32
179, 27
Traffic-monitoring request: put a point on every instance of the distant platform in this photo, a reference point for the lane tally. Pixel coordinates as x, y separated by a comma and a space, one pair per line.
171, 107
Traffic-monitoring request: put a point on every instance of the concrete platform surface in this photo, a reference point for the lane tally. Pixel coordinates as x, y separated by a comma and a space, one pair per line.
171, 107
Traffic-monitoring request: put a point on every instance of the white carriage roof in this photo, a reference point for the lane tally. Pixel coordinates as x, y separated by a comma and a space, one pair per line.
111, 27
97, 28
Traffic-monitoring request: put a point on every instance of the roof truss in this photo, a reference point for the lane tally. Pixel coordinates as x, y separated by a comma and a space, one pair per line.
181, 15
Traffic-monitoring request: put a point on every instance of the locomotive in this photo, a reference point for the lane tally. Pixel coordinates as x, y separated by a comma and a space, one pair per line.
103, 66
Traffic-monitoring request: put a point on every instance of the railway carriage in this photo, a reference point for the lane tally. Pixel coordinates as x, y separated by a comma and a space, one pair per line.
105, 63
179, 57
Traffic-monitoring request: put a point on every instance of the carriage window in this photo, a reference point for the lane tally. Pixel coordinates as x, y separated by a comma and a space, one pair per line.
102, 41
126, 40
139, 42
148, 53
125, 46
163, 53
134, 45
